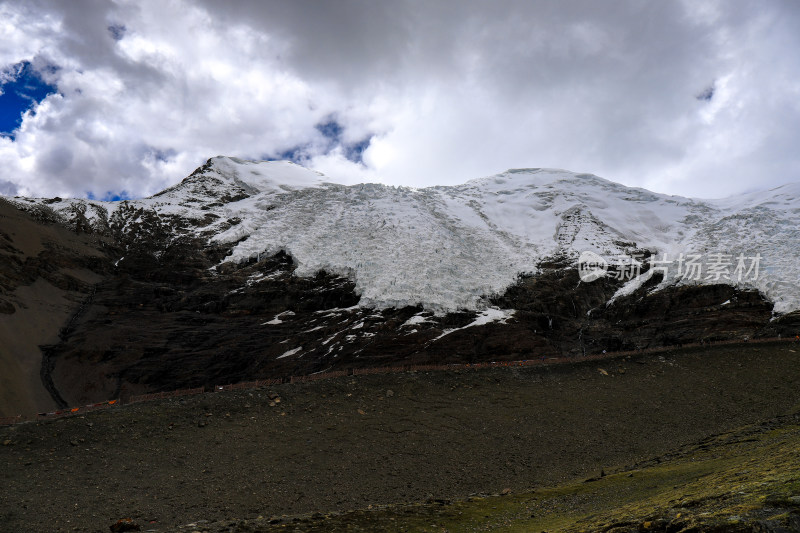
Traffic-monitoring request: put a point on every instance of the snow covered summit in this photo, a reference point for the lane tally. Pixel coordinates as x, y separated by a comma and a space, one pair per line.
449, 248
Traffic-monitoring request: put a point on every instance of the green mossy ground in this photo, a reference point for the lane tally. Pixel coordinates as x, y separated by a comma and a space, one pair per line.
748, 480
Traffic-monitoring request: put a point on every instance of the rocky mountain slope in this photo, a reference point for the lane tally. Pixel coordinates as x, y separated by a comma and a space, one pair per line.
262, 269
46, 273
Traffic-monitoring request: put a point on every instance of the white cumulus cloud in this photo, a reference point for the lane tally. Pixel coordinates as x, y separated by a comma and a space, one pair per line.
700, 98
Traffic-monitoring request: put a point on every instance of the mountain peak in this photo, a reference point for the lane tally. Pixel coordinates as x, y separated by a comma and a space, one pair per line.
266, 176
226, 179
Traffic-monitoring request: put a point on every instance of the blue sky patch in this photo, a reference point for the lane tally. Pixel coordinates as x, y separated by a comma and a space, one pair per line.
21, 93
163, 156
117, 31
355, 152
296, 154
110, 196
331, 130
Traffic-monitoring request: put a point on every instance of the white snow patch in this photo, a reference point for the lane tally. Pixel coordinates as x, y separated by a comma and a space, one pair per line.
415, 320
631, 286
484, 317
492, 315
277, 320
290, 352
255, 278
260, 276
336, 311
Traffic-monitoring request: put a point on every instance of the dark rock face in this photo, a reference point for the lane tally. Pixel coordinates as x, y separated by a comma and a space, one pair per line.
576, 319
681, 315
168, 314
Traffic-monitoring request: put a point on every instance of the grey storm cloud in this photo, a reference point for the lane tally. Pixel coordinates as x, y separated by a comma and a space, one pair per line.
698, 98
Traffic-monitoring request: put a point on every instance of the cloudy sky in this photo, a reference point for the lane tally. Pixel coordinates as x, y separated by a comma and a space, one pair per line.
112, 99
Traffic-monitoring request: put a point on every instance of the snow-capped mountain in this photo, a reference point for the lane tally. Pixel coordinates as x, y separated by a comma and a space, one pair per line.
248, 270
450, 248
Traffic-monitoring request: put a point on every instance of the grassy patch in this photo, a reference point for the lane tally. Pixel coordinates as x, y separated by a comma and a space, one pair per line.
727, 483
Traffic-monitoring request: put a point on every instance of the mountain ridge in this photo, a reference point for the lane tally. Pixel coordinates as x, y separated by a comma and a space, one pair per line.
469, 241
233, 275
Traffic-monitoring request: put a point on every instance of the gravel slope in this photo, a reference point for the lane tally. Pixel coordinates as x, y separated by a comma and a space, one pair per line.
351, 442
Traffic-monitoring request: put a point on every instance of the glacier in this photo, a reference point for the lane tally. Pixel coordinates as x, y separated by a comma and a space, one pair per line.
449, 248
